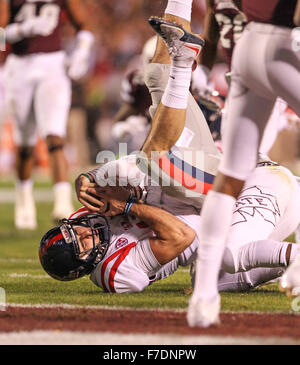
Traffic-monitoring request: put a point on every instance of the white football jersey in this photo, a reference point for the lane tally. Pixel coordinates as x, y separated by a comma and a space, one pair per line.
129, 264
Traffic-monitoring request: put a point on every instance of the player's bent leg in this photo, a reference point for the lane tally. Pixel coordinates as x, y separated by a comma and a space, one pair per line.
62, 189
218, 207
262, 253
169, 119
238, 161
245, 281
183, 48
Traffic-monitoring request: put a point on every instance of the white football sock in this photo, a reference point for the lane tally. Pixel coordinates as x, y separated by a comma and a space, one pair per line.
216, 219
265, 253
63, 204
262, 275
24, 184
64, 185
243, 281
180, 8
177, 90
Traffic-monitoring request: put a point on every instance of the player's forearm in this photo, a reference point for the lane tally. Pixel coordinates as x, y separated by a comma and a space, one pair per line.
125, 111
211, 36
208, 56
78, 15
297, 14
166, 226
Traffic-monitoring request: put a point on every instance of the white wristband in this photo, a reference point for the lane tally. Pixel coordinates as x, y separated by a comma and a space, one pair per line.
85, 39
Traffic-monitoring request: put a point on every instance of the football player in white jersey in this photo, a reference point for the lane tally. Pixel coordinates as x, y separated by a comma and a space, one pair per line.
37, 77
148, 243
143, 248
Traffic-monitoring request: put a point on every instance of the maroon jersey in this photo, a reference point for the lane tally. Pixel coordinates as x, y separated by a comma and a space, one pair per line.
231, 25
135, 92
276, 12
22, 10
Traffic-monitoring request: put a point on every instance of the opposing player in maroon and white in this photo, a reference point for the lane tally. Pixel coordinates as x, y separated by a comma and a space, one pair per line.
38, 91
265, 45
223, 26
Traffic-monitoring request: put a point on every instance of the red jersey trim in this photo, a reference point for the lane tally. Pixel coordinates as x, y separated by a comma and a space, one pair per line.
82, 211
123, 252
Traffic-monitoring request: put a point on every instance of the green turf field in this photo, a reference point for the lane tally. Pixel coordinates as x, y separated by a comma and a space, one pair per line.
25, 282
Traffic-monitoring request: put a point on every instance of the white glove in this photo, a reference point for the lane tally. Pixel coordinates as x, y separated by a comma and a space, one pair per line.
79, 61
33, 27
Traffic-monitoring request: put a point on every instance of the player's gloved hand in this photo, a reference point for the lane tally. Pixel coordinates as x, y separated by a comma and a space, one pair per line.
79, 62
37, 26
82, 185
115, 198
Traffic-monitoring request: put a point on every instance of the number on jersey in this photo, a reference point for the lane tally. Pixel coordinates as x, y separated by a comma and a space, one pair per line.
228, 25
49, 12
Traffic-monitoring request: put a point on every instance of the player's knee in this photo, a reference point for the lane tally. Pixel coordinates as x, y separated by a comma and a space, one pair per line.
229, 262
153, 77
25, 152
55, 143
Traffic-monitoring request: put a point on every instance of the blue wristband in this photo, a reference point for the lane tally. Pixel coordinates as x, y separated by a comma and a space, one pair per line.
88, 177
129, 205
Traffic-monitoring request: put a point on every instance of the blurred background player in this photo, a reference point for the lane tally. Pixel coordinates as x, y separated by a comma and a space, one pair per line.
223, 26
132, 121
264, 66
38, 92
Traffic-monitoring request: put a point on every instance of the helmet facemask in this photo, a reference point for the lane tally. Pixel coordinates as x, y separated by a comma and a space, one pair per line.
99, 232
60, 250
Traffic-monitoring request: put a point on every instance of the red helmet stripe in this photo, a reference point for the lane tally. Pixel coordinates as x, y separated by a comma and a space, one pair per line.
82, 210
50, 243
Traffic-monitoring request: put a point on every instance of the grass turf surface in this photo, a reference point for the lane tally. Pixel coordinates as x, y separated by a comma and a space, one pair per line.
25, 282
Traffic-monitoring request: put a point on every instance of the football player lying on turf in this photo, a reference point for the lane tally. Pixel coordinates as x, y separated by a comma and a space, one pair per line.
271, 196
148, 243
126, 252
134, 244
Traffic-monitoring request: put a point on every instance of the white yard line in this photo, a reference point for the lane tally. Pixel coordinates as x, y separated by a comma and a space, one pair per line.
116, 308
31, 276
40, 195
107, 338
18, 260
